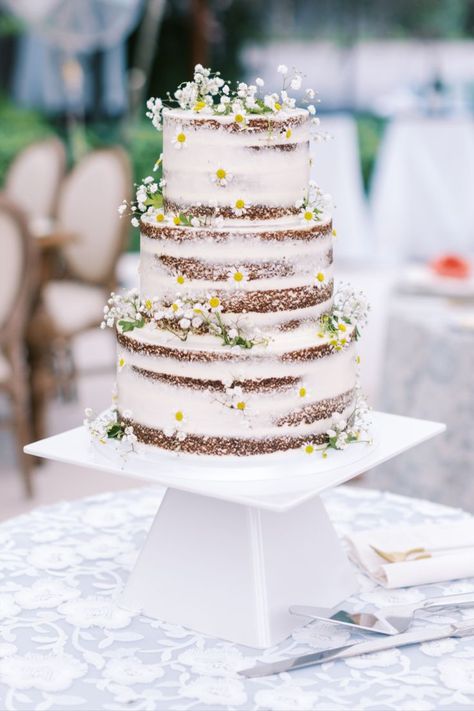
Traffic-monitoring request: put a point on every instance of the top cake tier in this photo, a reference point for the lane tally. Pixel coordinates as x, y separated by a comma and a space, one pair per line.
256, 169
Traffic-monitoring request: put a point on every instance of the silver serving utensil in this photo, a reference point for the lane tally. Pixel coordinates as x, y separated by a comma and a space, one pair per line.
391, 620
463, 629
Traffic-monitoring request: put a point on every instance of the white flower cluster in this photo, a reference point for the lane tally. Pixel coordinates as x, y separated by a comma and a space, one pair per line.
123, 308
344, 432
181, 317
108, 426
351, 306
155, 107
354, 429
148, 196
315, 203
208, 93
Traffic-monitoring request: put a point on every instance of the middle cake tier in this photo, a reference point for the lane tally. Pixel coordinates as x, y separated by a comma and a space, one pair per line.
266, 278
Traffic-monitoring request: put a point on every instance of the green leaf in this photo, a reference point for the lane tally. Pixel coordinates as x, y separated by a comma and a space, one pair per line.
115, 431
127, 326
155, 201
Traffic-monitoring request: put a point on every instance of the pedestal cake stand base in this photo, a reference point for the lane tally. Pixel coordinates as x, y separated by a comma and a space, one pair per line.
228, 557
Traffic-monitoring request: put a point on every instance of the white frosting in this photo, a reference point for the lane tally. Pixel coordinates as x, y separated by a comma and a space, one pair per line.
259, 172
153, 402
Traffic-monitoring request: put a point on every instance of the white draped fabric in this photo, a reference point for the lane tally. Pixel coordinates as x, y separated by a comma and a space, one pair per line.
422, 189
336, 168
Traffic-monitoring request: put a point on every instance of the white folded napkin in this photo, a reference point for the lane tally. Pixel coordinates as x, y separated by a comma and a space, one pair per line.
443, 565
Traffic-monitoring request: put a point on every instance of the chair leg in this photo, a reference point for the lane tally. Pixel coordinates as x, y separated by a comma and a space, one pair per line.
19, 388
23, 437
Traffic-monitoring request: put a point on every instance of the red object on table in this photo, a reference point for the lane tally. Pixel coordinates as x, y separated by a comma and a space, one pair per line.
450, 265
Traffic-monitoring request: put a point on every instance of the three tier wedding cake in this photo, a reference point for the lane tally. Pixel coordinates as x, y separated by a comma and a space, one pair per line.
236, 342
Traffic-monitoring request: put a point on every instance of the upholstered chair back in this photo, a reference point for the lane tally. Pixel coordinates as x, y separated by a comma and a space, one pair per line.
88, 210
17, 270
34, 178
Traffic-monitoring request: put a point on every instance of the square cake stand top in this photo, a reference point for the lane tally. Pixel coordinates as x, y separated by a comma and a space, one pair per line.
273, 482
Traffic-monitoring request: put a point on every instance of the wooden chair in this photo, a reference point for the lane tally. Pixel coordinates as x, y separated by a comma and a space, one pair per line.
87, 209
17, 285
41, 166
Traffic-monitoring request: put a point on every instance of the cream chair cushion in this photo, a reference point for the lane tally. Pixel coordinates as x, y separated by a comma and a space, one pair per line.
73, 307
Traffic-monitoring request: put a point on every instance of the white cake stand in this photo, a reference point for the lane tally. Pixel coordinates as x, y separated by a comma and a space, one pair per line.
233, 545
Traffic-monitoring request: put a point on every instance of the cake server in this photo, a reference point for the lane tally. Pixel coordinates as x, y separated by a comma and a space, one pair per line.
463, 629
391, 620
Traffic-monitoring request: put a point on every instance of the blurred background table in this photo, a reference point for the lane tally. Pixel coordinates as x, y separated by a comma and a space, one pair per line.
66, 644
428, 373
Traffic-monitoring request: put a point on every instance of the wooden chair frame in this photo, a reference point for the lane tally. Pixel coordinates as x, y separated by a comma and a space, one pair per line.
13, 345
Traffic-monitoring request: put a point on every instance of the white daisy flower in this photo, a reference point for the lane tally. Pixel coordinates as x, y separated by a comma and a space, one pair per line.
221, 177
282, 69
240, 207
179, 140
320, 278
238, 275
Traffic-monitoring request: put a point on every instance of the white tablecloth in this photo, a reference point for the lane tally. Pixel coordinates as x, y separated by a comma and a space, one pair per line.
65, 644
428, 372
422, 188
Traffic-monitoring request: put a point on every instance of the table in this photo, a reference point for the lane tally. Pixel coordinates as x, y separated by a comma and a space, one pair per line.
428, 373
65, 644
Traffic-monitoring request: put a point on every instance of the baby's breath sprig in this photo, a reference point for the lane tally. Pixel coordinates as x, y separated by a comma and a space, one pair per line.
209, 93
108, 425
181, 317
315, 204
346, 318
148, 196
344, 432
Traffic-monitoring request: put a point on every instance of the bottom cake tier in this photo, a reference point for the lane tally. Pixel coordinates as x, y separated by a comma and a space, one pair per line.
205, 399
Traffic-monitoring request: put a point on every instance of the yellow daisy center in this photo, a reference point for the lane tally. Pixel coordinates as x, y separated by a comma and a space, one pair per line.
214, 302
148, 304
174, 307
239, 204
309, 449
320, 334
221, 173
277, 106
121, 362
342, 327
302, 392
288, 133
325, 455
334, 232
308, 215
178, 416
180, 279
176, 220
181, 137
160, 217
238, 276
199, 105
241, 405
320, 276
357, 360
239, 118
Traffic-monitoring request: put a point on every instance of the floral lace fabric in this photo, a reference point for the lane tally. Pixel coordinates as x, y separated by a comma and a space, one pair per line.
66, 644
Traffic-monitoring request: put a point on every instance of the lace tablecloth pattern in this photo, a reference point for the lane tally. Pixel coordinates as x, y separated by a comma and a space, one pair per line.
428, 374
66, 644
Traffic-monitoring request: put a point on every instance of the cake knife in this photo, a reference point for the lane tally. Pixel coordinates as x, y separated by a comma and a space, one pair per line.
463, 629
